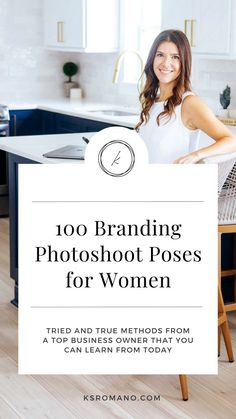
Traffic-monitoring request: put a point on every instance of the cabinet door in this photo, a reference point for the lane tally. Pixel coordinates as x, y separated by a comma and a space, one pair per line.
206, 24
53, 17
81, 25
102, 25
25, 122
13, 164
211, 26
48, 122
177, 14
233, 29
95, 126
73, 25
64, 24
66, 124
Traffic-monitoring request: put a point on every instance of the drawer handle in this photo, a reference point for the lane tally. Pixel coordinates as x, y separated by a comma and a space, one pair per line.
193, 27
187, 30
60, 31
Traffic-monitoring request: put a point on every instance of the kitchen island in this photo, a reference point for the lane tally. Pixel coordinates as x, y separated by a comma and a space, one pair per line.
30, 150
33, 147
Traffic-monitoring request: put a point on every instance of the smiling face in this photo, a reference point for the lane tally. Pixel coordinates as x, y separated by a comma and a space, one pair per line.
166, 64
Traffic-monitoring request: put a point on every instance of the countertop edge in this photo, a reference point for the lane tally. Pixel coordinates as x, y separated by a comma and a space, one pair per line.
30, 148
81, 110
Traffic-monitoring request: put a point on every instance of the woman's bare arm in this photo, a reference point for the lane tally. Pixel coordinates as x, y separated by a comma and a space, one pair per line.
197, 115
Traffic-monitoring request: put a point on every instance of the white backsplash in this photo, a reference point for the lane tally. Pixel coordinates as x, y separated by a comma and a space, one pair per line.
210, 77
30, 72
96, 80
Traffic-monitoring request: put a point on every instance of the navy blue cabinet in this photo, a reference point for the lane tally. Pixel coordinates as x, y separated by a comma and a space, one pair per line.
66, 124
25, 122
47, 122
13, 162
94, 126
40, 122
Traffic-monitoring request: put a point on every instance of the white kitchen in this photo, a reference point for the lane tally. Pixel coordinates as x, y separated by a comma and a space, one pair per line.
70, 69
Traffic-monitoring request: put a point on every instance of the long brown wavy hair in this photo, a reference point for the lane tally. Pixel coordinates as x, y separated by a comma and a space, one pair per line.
183, 84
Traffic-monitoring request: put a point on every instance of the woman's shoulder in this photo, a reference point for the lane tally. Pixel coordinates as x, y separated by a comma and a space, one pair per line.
188, 93
195, 112
190, 101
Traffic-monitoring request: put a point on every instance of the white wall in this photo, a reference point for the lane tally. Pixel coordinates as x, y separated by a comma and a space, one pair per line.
210, 77
96, 80
29, 72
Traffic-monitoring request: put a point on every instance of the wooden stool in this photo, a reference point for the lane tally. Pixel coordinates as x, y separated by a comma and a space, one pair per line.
222, 308
222, 229
184, 386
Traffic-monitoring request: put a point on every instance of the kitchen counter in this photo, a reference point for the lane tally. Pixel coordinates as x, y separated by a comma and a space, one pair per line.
83, 109
33, 147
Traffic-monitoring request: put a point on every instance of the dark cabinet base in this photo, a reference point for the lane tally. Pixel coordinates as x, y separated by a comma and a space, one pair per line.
15, 299
40, 122
13, 162
36, 122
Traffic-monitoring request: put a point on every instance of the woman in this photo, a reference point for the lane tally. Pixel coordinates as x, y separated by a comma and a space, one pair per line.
172, 116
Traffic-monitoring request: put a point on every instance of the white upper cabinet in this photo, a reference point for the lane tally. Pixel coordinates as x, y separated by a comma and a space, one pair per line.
81, 25
206, 23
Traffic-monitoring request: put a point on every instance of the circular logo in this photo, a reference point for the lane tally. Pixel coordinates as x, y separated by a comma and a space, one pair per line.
116, 158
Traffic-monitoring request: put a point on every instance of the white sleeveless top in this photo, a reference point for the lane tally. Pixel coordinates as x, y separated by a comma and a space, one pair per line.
171, 139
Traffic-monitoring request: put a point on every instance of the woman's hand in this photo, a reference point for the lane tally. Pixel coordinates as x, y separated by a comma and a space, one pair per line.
188, 158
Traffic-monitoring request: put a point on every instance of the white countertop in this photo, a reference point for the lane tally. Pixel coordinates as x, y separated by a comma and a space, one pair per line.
81, 109
33, 147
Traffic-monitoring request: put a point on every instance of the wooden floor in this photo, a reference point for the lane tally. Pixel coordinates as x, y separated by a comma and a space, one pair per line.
61, 397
